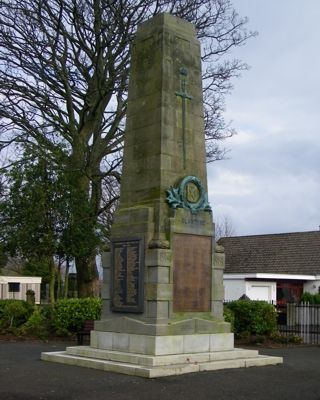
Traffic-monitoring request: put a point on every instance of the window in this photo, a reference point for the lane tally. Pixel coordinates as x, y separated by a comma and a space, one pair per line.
14, 287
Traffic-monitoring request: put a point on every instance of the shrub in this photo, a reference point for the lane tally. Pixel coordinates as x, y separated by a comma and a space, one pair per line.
253, 318
37, 324
286, 339
69, 315
310, 298
2, 305
307, 298
229, 317
13, 313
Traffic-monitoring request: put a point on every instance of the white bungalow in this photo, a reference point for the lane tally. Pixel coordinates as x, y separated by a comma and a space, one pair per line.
15, 287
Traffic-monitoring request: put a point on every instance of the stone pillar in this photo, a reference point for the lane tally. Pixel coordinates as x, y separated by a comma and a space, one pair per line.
173, 281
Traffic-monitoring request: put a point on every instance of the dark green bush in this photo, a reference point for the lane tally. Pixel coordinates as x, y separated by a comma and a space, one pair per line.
3, 305
13, 313
310, 298
229, 316
20, 318
37, 325
69, 315
307, 298
253, 317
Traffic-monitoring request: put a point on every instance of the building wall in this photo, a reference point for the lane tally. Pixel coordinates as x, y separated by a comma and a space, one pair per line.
25, 283
234, 289
255, 290
312, 286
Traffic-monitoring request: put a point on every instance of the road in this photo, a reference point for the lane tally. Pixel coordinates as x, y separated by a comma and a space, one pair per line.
23, 376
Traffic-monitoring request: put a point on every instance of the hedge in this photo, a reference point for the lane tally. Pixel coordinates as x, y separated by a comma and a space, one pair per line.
253, 317
69, 315
66, 317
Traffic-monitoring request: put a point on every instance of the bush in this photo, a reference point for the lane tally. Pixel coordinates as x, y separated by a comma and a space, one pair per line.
229, 317
37, 324
310, 298
253, 318
69, 315
286, 339
13, 313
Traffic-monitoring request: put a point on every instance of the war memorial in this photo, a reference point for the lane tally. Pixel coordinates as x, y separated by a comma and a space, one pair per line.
163, 278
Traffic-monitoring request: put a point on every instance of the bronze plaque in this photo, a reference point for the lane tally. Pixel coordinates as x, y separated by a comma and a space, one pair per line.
192, 273
127, 275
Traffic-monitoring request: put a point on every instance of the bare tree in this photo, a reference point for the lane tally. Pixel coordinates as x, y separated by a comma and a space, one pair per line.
224, 227
63, 88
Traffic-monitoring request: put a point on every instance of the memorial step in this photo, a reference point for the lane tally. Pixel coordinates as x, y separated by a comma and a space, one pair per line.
154, 371
149, 360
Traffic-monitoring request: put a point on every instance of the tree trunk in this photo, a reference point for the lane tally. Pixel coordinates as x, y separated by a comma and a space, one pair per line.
66, 280
87, 277
59, 281
86, 198
52, 274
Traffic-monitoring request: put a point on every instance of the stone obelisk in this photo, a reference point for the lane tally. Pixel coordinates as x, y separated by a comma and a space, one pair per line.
163, 279
163, 262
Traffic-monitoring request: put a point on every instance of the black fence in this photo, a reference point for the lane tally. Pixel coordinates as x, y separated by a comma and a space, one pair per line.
301, 320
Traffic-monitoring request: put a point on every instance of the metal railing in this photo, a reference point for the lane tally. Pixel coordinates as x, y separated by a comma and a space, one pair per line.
302, 320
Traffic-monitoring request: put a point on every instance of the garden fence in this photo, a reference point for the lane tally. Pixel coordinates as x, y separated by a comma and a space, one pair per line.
302, 320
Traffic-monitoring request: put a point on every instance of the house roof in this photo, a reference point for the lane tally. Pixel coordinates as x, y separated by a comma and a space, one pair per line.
284, 253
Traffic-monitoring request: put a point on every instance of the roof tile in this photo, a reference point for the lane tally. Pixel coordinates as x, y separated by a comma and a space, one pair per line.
284, 253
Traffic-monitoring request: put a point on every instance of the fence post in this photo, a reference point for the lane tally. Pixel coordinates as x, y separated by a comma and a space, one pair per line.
305, 322
291, 314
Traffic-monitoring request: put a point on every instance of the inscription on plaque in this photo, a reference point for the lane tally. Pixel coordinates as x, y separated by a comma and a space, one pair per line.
127, 275
192, 273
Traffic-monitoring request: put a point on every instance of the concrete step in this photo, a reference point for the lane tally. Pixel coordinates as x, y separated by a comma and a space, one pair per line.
148, 360
155, 371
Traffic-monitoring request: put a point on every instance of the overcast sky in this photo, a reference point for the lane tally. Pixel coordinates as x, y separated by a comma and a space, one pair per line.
271, 183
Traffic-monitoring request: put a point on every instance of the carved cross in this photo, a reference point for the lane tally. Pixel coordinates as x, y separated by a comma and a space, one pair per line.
184, 96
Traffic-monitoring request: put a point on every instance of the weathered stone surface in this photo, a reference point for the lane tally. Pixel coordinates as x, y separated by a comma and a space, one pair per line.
192, 273
162, 344
158, 257
164, 143
159, 274
159, 291
154, 130
158, 309
157, 366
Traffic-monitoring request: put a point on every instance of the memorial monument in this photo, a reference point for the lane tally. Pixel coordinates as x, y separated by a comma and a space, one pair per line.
163, 278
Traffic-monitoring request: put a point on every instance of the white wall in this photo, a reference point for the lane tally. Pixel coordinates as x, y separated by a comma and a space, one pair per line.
255, 290
312, 286
233, 289
26, 283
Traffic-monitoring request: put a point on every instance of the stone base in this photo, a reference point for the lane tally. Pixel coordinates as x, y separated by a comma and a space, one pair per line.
152, 357
161, 345
157, 366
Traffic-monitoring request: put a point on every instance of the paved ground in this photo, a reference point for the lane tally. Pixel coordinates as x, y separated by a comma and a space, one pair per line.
23, 376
